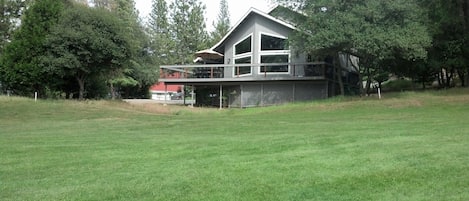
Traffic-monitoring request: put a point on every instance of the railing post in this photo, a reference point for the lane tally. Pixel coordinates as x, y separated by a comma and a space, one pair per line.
294, 70
265, 71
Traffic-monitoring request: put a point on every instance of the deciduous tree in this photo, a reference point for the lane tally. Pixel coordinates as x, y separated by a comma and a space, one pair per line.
373, 30
87, 42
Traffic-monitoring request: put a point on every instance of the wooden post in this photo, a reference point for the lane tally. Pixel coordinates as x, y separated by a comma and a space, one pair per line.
165, 93
241, 96
193, 96
221, 96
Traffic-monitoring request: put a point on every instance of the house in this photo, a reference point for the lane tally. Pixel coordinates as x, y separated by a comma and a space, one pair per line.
163, 92
259, 68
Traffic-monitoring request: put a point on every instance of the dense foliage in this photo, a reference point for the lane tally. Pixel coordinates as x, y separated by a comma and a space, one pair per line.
68, 49
222, 25
20, 68
86, 42
49, 47
419, 39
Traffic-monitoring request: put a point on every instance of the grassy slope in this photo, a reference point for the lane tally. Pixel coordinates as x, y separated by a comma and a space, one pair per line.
410, 147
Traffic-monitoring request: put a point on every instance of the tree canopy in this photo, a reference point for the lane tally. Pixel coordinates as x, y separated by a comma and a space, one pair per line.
373, 30
20, 69
222, 25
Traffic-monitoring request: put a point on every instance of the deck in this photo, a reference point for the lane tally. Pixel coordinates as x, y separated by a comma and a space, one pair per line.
237, 73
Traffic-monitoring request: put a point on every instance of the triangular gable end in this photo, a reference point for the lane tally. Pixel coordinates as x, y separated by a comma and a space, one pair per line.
251, 11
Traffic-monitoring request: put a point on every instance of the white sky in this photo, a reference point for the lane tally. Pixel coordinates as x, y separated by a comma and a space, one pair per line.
237, 9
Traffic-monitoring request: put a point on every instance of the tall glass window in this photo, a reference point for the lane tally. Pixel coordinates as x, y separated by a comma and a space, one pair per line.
274, 59
243, 55
274, 50
244, 46
273, 43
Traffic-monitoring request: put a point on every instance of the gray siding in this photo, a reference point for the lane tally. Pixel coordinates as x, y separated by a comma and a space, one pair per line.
265, 94
255, 25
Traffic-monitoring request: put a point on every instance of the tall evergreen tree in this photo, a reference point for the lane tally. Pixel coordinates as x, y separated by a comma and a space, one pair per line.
188, 29
20, 68
222, 25
160, 32
10, 13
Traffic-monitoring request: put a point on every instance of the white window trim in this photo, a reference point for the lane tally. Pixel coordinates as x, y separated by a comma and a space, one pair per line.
244, 55
234, 68
273, 52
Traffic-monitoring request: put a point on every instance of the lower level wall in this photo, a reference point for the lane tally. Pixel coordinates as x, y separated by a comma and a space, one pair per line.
265, 94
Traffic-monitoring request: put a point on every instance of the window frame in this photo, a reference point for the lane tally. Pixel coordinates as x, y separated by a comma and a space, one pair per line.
243, 55
273, 52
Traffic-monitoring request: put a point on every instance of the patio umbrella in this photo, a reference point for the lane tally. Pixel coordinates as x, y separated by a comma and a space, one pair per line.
209, 54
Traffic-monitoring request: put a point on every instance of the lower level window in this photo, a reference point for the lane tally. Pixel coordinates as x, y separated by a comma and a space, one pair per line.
277, 61
241, 70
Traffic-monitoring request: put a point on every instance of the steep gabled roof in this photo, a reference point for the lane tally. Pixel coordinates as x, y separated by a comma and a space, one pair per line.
251, 11
288, 15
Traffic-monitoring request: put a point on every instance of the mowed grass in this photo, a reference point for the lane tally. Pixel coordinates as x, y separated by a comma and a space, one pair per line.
408, 146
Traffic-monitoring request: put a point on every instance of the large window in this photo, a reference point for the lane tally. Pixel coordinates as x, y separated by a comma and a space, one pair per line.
243, 55
242, 70
274, 59
244, 46
274, 50
273, 43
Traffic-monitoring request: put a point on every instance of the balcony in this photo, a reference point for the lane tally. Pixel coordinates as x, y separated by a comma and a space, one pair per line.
216, 73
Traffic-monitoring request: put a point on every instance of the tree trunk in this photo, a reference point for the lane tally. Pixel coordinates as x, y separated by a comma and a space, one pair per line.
81, 84
360, 76
467, 77
449, 77
424, 78
368, 81
338, 74
462, 77
113, 93
441, 78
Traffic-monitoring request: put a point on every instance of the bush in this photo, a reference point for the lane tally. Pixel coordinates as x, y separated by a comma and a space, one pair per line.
398, 85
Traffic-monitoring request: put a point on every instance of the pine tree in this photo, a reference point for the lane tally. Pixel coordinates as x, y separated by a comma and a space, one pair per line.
222, 26
188, 28
10, 13
158, 24
20, 67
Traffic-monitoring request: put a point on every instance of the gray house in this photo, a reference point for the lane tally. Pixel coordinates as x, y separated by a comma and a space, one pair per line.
253, 65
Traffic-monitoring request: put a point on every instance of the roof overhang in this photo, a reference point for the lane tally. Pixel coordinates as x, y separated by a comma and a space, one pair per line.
251, 11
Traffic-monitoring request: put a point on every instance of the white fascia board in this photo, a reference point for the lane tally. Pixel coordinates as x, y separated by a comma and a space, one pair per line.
256, 11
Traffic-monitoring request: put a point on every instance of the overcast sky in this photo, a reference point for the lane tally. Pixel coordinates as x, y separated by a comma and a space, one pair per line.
237, 8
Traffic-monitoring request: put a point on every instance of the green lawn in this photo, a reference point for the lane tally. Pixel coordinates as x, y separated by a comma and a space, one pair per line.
408, 146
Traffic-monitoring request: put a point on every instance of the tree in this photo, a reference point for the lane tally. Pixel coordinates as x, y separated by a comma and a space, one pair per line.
449, 27
10, 13
159, 28
222, 26
373, 30
139, 73
86, 42
188, 29
20, 68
